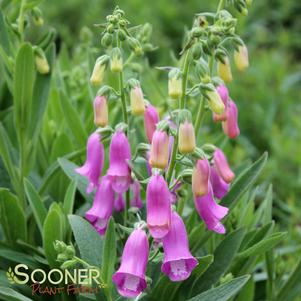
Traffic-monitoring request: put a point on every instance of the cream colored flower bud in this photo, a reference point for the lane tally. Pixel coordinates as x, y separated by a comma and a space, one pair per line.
241, 58
186, 138
215, 102
224, 70
137, 101
42, 64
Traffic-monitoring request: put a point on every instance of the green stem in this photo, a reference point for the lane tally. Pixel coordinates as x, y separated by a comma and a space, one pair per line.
21, 18
199, 116
172, 160
185, 79
220, 6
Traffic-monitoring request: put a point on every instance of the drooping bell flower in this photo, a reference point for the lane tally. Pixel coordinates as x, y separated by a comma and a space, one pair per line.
224, 95
119, 203
136, 200
215, 102
200, 177
151, 118
175, 83
116, 60
219, 186
99, 214
137, 101
210, 212
178, 262
94, 161
101, 116
98, 72
222, 167
224, 70
119, 171
241, 58
158, 206
159, 152
186, 138
130, 277
230, 125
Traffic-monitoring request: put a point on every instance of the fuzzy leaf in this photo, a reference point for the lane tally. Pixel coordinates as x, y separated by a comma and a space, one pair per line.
69, 197
9, 294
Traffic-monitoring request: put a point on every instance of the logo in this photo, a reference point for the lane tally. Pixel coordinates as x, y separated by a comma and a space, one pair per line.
56, 281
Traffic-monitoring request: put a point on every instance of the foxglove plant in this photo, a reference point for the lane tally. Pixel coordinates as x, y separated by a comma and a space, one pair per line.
171, 142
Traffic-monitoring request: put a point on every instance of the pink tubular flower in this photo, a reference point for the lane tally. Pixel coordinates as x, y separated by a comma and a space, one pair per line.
136, 200
224, 95
94, 162
200, 177
178, 262
158, 206
119, 204
159, 153
219, 186
130, 277
210, 212
98, 215
119, 171
151, 118
222, 167
230, 125
100, 111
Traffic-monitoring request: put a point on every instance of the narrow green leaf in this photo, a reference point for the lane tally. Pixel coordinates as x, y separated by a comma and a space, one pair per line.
23, 88
73, 120
40, 95
9, 294
223, 255
244, 181
12, 217
223, 292
52, 231
247, 292
88, 240
263, 245
4, 41
36, 204
291, 288
82, 183
109, 254
69, 197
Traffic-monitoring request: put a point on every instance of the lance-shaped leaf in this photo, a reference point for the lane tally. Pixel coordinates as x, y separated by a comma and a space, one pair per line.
244, 181
9, 294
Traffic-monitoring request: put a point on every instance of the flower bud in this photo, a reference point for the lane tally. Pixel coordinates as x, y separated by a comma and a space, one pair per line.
241, 58
116, 60
137, 101
224, 70
159, 153
42, 63
230, 125
224, 95
222, 167
200, 177
98, 71
106, 40
175, 84
100, 111
215, 102
135, 46
186, 138
151, 118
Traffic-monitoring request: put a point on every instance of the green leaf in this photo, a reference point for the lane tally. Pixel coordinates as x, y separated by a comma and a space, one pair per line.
9, 294
23, 88
82, 183
223, 255
36, 204
73, 120
109, 254
4, 40
247, 292
7, 158
223, 292
244, 181
12, 217
41, 95
291, 288
69, 197
52, 231
88, 240
263, 245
